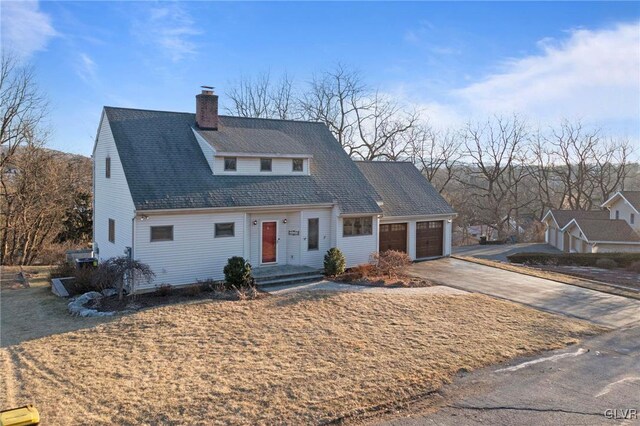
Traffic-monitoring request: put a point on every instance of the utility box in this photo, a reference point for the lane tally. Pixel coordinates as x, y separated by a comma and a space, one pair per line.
86, 262
21, 416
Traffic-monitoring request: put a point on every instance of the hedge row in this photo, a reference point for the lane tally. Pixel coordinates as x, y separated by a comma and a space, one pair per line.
573, 259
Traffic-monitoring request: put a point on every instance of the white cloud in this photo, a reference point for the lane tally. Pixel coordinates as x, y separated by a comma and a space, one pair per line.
86, 68
169, 27
25, 28
592, 74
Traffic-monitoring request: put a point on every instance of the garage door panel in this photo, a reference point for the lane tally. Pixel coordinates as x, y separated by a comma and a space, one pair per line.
429, 238
393, 236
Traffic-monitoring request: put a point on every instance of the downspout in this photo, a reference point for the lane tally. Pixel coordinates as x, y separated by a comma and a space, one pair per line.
93, 206
133, 238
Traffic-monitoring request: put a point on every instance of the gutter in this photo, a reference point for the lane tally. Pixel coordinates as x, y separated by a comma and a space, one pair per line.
282, 207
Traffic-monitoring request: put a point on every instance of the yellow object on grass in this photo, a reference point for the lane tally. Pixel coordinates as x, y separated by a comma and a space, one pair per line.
21, 416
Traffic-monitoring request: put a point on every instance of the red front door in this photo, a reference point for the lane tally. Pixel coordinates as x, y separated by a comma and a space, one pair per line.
269, 242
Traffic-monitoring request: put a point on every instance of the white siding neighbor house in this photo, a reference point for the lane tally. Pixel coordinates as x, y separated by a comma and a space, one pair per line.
613, 229
184, 192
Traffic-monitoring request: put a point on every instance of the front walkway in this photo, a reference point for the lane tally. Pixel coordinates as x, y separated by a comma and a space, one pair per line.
601, 308
333, 286
260, 272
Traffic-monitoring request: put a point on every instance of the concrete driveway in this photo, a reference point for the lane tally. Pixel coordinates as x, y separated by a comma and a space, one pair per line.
501, 251
601, 308
594, 383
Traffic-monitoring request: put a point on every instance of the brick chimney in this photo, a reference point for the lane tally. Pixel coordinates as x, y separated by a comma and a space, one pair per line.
207, 109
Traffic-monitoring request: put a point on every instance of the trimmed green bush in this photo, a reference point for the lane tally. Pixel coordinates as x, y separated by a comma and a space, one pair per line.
334, 262
573, 259
237, 273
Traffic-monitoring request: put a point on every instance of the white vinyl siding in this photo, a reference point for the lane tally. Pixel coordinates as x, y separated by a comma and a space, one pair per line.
625, 212
207, 149
293, 238
615, 248
194, 254
112, 199
315, 258
357, 249
251, 166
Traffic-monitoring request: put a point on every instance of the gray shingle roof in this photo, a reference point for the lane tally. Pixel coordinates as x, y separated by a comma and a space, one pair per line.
607, 230
633, 197
565, 216
403, 189
230, 138
166, 169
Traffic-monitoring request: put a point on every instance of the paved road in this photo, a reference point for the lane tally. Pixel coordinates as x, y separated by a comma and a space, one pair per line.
573, 386
601, 308
333, 286
500, 252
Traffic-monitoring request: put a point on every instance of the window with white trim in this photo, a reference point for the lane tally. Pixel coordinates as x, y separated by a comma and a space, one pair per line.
354, 226
224, 230
230, 164
161, 233
265, 164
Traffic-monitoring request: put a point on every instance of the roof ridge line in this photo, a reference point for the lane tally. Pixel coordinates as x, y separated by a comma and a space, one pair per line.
219, 115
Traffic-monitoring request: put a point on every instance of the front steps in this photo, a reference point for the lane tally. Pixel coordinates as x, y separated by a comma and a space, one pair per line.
286, 274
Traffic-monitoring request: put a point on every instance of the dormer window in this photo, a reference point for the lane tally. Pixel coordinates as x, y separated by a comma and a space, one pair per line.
230, 164
265, 164
298, 164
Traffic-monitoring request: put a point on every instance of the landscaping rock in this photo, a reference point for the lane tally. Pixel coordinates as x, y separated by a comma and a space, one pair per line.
77, 306
108, 292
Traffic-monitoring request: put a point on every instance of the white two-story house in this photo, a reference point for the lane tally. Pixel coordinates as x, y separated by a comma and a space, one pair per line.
184, 192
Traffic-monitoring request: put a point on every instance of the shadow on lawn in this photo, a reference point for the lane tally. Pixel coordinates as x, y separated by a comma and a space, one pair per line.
31, 313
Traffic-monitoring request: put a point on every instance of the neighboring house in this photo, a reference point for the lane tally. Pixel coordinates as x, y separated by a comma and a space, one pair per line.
183, 192
613, 230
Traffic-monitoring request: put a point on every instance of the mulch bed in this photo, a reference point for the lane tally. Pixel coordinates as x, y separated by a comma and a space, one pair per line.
154, 299
401, 281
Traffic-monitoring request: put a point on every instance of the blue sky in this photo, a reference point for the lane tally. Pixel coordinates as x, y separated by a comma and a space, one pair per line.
457, 61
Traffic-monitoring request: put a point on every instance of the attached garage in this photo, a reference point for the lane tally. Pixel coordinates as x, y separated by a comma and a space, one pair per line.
429, 239
393, 236
415, 217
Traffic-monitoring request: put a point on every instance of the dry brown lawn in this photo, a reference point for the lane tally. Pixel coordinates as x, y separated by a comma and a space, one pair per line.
37, 275
295, 359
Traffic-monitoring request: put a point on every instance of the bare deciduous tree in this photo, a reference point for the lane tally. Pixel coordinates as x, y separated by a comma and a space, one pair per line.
493, 148
262, 97
436, 154
367, 124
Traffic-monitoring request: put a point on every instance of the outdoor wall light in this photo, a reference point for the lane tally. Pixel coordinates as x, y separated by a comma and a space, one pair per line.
284, 220
255, 222
144, 217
